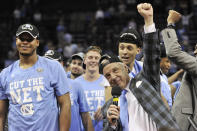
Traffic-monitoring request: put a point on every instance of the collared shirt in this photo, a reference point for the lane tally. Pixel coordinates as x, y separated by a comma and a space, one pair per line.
136, 68
139, 120
149, 108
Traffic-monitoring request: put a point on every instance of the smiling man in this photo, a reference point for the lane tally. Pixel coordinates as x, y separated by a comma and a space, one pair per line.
141, 107
79, 106
34, 86
76, 65
93, 84
130, 44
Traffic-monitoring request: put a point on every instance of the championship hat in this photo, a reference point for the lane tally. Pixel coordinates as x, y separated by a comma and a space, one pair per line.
31, 29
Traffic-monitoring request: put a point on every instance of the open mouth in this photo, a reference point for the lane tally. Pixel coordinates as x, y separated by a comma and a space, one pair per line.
124, 58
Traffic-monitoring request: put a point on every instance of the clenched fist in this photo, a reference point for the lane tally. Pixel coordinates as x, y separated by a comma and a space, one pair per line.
173, 17
146, 11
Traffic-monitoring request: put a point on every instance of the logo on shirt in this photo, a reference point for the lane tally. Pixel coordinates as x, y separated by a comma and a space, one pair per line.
27, 109
39, 70
26, 92
95, 99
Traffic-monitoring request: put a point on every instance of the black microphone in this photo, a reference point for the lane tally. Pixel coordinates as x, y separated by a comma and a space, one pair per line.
115, 92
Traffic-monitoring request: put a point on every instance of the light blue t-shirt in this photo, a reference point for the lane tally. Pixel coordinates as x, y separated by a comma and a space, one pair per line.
68, 74
95, 95
32, 95
176, 84
78, 104
165, 89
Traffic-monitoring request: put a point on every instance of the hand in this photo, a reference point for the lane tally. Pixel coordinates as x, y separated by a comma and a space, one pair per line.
98, 114
173, 17
113, 113
146, 11
181, 71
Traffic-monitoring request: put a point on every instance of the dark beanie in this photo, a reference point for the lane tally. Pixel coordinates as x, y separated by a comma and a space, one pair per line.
130, 36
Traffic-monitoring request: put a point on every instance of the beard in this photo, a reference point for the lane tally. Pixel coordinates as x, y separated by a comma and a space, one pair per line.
27, 54
76, 74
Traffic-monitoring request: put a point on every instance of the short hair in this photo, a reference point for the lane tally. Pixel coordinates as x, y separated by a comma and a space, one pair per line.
110, 59
94, 48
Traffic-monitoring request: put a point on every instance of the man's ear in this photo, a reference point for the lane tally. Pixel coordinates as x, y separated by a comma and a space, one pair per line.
38, 43
138, 50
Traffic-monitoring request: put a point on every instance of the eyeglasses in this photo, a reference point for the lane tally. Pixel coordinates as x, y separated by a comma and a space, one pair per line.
29, 39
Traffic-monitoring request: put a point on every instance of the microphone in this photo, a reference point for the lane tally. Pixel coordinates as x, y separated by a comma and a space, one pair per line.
115, 92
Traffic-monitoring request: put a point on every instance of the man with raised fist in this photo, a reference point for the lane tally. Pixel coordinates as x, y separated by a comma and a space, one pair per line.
141, 107
185, 106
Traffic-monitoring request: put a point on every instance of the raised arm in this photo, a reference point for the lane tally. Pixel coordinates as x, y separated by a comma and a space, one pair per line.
146, 11
173, 48
151, 47
175, 76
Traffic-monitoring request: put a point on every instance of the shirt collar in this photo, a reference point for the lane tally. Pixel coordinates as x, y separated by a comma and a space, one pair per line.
127, 87
161, 73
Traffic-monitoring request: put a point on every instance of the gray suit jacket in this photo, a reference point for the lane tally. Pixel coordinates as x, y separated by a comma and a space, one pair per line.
185, 105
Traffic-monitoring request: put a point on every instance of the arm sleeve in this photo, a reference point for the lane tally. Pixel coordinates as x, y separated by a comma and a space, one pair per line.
151, 65
176, 55
3, 96
105, 107
60, 81
150, 29
107, 127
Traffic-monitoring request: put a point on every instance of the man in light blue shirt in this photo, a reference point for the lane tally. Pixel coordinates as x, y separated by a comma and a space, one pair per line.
128, 49
79, 106
93, 84
165, 86
34, 87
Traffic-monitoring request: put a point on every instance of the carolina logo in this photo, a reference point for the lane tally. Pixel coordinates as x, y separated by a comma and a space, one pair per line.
27, 27
27, 109
39, 70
